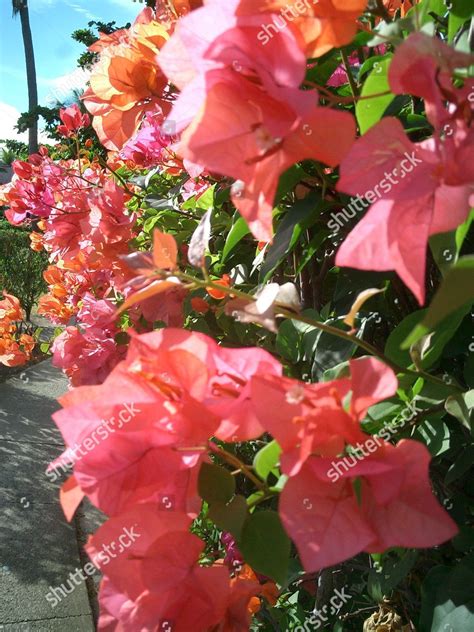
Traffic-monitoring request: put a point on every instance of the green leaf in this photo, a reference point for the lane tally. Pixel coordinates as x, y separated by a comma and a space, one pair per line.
447, 604
461, 11
462, 464
299, 217
230, 517
206, 201
215, 484
459, 406
455, 292
370, 111
357, 488
460, 619
122, 338
434, 434
288, 341
238, 231
288, 180
329, 351
265, 461
392, 571
464, 541
446, 247
265, 545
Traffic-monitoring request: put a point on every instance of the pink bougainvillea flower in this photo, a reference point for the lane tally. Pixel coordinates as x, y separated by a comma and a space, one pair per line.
330, 522
122, 440
253, 136
232, 391
158, 578
339, 76
320, 25
158, 299
176, 390
224, 386
309, 419
107, 221
73, 120
429, 185
424, 66
148, 146
96, 312
213, 38
88, 356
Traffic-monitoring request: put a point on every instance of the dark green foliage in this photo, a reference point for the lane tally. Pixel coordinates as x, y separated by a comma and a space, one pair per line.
21, 269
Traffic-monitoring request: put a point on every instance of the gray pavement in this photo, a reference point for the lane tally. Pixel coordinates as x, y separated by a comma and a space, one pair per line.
38, 548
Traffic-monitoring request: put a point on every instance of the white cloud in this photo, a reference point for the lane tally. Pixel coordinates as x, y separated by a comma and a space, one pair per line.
8, 119
62, 87
128, 4
86, 7
40, 5
82, 11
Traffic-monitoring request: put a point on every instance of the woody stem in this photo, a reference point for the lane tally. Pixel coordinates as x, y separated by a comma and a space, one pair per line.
235, 461
347, 66
334, 331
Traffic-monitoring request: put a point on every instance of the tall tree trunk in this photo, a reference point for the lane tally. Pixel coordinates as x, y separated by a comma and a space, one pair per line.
30, 75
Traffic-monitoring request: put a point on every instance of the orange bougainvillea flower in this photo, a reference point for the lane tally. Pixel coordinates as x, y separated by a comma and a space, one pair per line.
7, 328
392, 6
199, 305
320, 25
37, 241
54, 309
11, 354
27, 343
10, 308
126, 81
177, 7
224, 281
53, 275
14, 350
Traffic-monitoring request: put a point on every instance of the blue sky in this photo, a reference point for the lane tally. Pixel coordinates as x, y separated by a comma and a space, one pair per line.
52, 22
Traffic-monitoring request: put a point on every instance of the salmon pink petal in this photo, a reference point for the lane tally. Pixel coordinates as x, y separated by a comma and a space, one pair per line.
422, 66
323, 519
372, 382
385, 240
245, 134
414, 518
147, 523
450, 207
170, 560
70, 496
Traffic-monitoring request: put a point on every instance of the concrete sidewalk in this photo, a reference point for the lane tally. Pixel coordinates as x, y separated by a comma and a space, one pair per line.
38, 548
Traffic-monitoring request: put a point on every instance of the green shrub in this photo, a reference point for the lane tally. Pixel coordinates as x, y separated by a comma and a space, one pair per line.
21, 269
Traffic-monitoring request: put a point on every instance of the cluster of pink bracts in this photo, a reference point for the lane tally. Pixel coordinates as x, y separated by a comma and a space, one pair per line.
180, 389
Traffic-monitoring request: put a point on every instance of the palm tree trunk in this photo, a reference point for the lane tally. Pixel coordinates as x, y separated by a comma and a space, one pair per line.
30, 75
